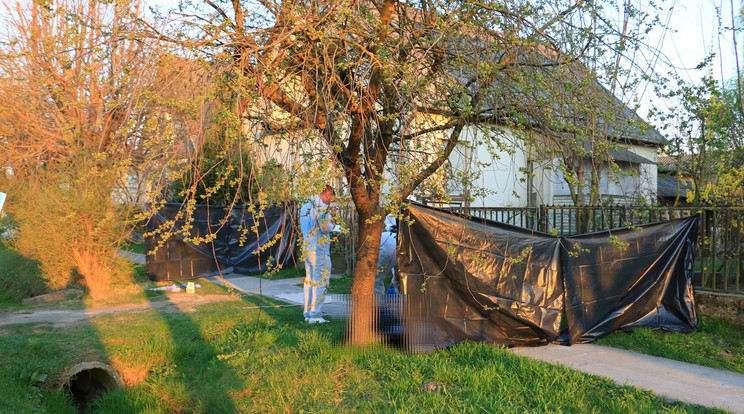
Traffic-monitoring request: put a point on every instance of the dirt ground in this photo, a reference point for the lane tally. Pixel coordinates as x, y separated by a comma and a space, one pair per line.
59, 316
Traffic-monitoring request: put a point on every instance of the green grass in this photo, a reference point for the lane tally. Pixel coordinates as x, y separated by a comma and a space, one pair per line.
286, 272
134, 247
716, 343
227, 357
19, 277
341, 285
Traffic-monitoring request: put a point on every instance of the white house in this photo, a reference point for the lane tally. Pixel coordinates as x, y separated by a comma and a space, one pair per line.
515, 174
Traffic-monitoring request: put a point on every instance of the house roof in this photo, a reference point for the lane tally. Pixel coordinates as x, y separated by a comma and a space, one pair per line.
624, 155
620, 154
582, 100
638, 129
667, 162
666, 186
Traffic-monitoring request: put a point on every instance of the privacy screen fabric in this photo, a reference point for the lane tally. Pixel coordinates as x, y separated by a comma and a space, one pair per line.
243, 241
479, 280
621, 279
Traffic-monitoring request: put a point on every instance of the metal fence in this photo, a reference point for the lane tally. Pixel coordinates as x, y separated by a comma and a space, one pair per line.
719, 262
344, 245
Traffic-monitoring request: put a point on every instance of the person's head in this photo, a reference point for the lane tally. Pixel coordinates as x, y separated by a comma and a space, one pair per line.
327, 194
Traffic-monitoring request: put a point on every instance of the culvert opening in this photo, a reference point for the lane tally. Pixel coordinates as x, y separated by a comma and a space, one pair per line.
86, 381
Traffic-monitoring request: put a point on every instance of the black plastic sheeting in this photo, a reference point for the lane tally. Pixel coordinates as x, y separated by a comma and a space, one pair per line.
480, 280
647, 283
244, 244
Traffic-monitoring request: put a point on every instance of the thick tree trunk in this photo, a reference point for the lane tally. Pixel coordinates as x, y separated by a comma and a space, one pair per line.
362, 320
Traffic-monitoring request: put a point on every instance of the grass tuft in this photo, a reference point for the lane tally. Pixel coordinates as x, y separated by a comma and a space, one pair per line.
312, 344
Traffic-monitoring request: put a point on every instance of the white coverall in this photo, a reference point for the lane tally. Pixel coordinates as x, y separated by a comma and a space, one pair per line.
386, 259
316, 225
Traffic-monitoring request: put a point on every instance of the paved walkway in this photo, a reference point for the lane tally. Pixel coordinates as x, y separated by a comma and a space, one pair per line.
671, 379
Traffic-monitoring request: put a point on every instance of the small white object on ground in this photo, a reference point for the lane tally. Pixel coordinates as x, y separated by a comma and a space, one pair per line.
316, 320
169, 288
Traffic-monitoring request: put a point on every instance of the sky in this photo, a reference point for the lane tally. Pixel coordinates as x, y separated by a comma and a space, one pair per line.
693, 33
695, 26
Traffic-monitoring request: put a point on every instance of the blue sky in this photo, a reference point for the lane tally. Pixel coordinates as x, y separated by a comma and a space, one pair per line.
695, 26
693, 33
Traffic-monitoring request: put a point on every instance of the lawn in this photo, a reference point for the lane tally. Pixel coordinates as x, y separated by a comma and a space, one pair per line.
19, 278
716, 343
286, 272
340, 285
138, 248
229, 357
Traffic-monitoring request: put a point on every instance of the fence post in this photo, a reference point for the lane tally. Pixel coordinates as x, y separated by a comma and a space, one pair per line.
567, 220
542, 218
738, 247
726, 228
713, 249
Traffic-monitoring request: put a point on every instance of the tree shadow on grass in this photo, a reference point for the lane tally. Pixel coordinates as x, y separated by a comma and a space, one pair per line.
200, 376
20, 277
205, 356
168, 357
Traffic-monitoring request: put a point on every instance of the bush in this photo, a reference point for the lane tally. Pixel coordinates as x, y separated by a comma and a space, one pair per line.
67, 220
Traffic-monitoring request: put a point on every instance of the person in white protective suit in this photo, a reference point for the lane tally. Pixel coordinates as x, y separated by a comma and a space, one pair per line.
316, 224
386, 259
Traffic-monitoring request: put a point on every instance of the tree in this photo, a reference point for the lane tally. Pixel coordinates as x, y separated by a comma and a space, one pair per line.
82, 114
699, 129
387, 89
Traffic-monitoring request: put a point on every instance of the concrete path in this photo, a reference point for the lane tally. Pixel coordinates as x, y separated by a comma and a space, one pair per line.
61, 317
672, 379
288, 290
667, 378
132, 257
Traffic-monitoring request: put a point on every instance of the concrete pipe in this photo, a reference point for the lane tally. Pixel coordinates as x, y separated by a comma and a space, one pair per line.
86, 381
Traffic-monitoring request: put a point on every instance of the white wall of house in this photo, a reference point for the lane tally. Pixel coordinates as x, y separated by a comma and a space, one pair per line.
502, 171
636, 185
648, 172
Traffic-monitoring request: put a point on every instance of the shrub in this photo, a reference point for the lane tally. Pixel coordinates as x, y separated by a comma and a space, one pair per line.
67, 220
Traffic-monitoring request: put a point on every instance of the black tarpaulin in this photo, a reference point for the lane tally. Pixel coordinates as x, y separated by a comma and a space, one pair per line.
479, 280
243, 241
648, 282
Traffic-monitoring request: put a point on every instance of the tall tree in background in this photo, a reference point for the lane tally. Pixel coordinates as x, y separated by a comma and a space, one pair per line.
699, 138
385, 90
83, 116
